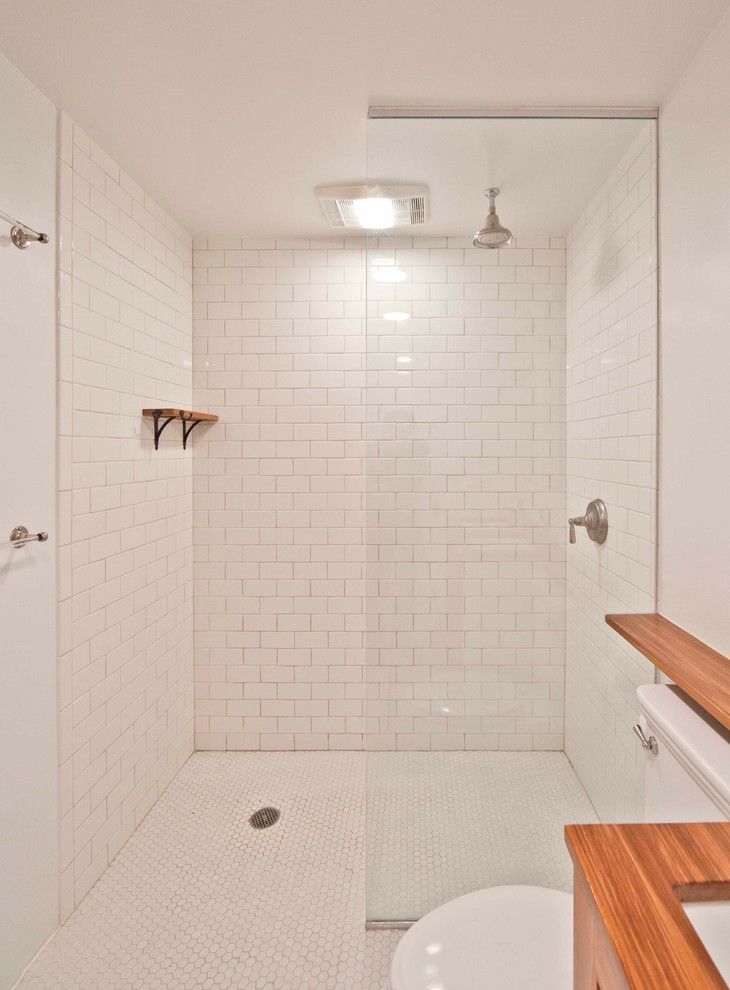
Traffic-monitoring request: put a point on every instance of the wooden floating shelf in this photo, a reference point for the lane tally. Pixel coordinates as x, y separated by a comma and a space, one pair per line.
700, 671
188, 417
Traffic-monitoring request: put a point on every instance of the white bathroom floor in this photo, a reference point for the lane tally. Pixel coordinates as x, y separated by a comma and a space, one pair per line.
199, 899
443, 824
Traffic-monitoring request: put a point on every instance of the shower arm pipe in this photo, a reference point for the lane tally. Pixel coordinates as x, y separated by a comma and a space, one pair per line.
21, 233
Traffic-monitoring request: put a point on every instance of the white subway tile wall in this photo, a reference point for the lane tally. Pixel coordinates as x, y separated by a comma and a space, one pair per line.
124, 511
611, 447
379, 514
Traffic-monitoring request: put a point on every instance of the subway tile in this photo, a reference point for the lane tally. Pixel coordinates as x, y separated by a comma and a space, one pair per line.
299, 438
611, 409
112, 303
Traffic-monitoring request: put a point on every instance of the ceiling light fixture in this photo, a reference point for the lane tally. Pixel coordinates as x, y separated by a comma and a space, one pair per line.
374, 212
397, 316
375, 206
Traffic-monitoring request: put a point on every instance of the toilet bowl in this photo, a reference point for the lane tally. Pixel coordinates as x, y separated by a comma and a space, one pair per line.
500, 938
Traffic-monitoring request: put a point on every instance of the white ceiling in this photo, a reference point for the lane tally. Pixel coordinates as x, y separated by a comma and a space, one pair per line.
229, 112
547, 170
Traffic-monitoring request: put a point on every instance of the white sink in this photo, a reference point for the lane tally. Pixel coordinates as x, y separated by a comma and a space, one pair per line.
711, 921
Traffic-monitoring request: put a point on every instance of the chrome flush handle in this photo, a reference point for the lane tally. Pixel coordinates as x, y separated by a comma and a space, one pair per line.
648, 743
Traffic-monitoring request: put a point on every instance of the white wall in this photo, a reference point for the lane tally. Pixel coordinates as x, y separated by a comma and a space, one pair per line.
694, 562
611, 454
28, 780
457, 634
125, 510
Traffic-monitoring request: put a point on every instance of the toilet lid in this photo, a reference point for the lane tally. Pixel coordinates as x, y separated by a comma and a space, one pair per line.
501, 938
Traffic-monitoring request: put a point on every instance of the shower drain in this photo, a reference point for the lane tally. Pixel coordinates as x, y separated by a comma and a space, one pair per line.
264, 817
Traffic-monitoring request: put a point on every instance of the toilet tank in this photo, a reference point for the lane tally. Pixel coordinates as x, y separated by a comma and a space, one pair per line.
687, 772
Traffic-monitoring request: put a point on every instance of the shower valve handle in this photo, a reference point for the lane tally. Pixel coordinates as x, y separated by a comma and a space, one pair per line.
572, 523
595, 521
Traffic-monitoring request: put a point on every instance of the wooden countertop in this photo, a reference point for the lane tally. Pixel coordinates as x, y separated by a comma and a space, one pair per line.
638, 875
701, 672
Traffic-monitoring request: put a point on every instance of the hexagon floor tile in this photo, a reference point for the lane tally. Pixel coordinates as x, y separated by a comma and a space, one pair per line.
442, 824
199, 899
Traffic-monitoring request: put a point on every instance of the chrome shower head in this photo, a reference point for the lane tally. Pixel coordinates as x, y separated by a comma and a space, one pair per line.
492, 234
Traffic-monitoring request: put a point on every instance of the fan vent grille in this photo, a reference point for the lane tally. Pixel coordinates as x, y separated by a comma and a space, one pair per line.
408, 209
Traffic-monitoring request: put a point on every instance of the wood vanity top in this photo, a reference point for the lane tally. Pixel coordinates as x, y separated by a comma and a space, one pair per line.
701, 672
638, 875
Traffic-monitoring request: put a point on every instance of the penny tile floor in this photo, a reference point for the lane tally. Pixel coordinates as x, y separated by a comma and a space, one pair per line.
442, 824
199, 899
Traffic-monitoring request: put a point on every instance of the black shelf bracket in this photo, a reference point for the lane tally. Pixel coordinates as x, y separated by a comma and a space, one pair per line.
156, 415
188, 429
188, 420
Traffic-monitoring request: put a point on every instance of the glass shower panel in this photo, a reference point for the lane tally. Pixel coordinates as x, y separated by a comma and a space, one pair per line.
468, 782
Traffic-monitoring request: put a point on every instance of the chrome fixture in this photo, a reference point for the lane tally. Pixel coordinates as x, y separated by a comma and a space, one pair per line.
649, 744
492, 234
20, 536
374, 206
595, 521
21, 233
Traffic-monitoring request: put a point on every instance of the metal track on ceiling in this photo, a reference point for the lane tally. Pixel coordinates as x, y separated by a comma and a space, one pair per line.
586, 113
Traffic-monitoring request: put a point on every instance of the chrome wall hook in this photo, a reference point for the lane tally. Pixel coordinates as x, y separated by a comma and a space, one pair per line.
19, 536
20, 237
21, 234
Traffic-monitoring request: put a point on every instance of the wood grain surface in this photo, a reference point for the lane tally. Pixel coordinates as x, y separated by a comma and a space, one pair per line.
202, 417
701, 672
637, 876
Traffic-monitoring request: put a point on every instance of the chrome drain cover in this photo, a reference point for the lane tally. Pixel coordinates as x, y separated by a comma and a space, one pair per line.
264, 817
